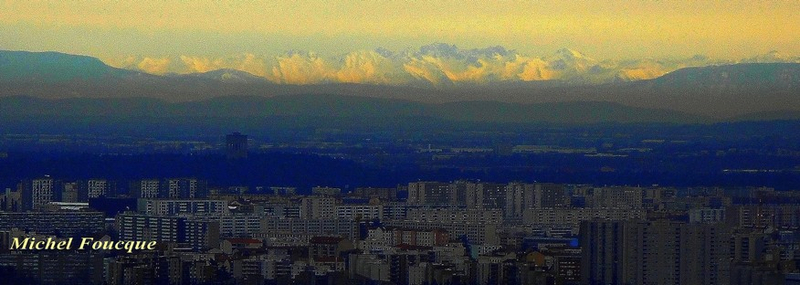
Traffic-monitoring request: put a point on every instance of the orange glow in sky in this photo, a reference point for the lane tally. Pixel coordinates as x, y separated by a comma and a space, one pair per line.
605, 29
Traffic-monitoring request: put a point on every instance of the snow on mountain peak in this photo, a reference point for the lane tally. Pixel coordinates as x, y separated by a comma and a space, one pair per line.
438, 64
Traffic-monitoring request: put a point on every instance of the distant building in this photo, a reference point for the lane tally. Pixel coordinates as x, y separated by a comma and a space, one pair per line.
183, 188
617, 197
486, 195
10, 200
316, 207
37, 193
479, 226
69, 192
385, 194
383, 238
283, 191
706, 215
280, 210
92, 188
326, 191
513, 198
54, 266
145, 188
572, 217
359, 212
236, 146
288, 229
59, 223
181, 206
429, 193
328, 246
654, 252
196, 232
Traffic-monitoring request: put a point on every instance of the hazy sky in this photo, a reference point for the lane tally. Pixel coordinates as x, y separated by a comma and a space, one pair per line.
604, 29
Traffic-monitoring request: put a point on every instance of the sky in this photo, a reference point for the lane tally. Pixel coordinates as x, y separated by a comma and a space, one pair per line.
128, 33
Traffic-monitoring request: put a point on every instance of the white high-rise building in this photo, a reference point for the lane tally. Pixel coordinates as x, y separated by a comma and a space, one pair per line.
96, 188
37, 193
318, 207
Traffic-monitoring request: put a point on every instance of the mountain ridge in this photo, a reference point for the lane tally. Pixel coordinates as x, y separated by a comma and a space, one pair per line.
314, 105
724, 91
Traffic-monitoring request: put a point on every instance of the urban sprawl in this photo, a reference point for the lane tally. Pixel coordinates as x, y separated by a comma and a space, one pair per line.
423, 232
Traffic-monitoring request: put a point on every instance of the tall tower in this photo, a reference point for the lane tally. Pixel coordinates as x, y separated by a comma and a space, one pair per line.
236, 146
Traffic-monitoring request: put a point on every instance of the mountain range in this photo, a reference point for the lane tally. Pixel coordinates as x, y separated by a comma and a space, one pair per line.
436, 65
49, 82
